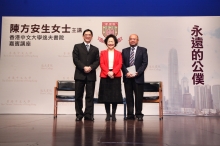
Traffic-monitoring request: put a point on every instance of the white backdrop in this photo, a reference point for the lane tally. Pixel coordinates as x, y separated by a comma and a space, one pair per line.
28, 73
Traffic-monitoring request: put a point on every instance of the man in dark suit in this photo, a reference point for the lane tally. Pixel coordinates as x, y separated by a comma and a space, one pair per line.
86, 60
134, 82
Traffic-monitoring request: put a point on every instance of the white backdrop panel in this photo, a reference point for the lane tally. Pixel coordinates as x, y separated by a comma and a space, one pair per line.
28, 74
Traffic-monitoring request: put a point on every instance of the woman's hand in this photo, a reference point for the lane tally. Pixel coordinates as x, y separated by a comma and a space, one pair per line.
111, 74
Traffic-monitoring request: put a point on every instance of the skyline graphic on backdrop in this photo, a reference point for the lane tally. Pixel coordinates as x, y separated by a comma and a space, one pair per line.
206, 99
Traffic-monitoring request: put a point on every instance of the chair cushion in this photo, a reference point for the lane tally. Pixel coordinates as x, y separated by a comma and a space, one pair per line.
65, 96
151, 97
96, 100
151, 86
66, 86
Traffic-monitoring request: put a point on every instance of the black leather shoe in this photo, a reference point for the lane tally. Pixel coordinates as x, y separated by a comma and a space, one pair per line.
140, 118
113, 117
79, 118
89, 119
129, 118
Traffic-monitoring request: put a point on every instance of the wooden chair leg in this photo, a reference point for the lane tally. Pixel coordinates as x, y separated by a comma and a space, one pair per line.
161, 110
55, 105
56, 108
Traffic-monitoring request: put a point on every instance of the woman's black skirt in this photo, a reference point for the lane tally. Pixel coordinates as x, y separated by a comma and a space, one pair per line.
110, 90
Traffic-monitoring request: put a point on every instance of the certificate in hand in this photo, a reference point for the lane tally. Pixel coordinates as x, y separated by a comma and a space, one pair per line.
131, 70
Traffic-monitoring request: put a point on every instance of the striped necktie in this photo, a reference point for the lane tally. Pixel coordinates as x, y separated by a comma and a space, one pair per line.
132, 57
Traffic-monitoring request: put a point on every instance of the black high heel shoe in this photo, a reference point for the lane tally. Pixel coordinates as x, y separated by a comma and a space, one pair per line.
107, 117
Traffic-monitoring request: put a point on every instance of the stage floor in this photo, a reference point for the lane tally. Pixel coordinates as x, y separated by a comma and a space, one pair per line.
44, 130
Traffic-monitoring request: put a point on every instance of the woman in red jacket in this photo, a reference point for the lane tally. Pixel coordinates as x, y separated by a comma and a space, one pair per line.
110, 83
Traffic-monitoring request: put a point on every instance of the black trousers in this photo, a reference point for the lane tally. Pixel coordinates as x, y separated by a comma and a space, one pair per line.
79, 90
134, 91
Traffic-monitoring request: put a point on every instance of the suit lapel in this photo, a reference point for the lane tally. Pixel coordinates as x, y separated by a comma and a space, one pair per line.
137, 52
91, 48
106, 57
84, 47
128, 54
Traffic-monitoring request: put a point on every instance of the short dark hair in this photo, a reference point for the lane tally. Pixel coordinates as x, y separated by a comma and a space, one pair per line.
111, 36
87, 30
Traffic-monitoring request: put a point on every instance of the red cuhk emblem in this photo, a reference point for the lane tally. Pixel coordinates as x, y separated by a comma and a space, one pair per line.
109, 28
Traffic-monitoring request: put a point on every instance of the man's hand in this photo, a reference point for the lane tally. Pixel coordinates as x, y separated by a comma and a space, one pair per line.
129, 75
136, 74
87, 69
